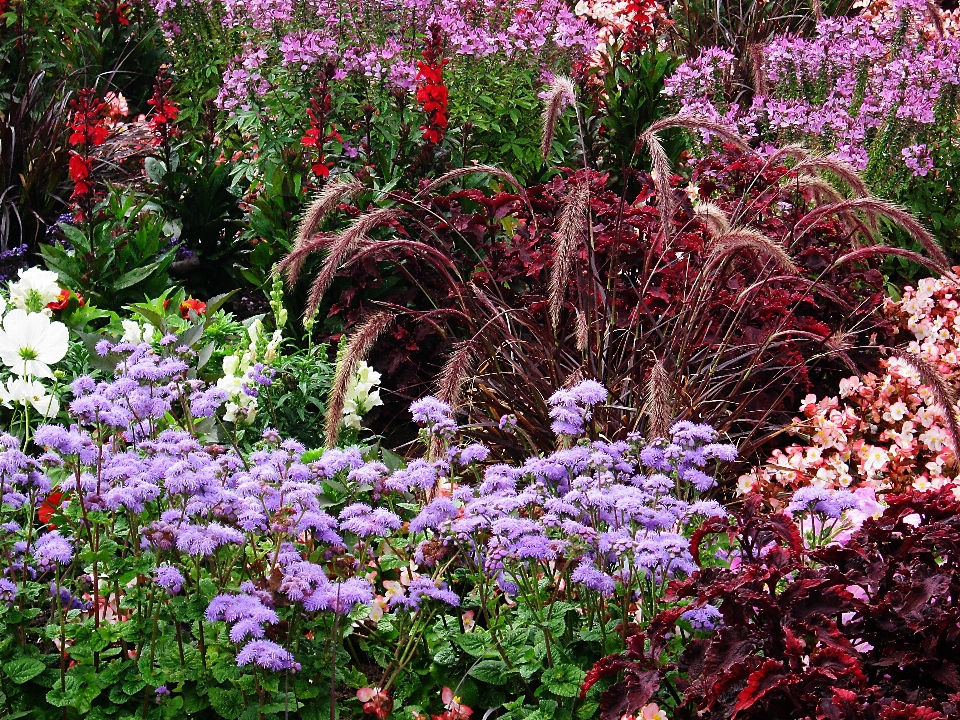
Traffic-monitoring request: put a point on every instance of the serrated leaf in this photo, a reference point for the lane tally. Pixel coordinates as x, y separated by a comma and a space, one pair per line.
563, 680
493, 672
474, 643
22, 670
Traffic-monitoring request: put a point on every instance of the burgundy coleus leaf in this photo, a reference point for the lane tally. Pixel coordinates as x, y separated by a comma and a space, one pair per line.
770, 676
604, 667
920, 595
628, 696
712, 526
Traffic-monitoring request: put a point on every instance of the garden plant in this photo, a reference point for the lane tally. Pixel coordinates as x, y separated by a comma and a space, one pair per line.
447, 359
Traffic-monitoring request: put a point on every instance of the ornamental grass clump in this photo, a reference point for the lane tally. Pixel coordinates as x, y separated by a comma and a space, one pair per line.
726, 301
145, 566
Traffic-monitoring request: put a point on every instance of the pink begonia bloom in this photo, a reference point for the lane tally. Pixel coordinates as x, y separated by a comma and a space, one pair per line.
884, 432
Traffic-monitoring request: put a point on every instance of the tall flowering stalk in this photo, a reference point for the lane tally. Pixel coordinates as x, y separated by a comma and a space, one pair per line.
318, 112
432, 93
88, 131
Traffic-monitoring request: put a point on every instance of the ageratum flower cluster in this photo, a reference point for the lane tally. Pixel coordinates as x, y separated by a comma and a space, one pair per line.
267, 557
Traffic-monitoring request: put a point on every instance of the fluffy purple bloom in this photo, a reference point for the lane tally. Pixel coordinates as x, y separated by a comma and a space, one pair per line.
8, 591
53, 548
704, 618
204, 403
570, 409
688, 433
508, 423
363, 521
434, 514
268, 655
169, 578
831, 503
340, 597
424, 587
592, 578
435, 416
470, 454
418, 474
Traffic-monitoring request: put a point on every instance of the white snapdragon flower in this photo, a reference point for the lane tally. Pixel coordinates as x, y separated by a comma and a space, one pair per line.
30, 343
361, 397
134, 332
20, 391
34, 290
241, 406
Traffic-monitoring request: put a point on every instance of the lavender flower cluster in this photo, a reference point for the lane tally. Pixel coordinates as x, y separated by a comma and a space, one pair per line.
837, 90
384, 51
260, 527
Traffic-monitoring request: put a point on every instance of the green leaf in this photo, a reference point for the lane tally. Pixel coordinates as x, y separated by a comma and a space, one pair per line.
134, 276
23, 669
474, 643
155, 169
563, 680
493, 672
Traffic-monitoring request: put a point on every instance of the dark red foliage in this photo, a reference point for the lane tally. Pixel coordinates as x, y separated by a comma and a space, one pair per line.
866, 631
502, 244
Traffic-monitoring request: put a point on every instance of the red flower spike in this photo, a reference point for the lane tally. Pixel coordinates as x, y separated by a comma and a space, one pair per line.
432, 94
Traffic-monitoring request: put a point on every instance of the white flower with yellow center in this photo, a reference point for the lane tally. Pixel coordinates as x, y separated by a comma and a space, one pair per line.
361, 397
19, 391
34, 290
30, 343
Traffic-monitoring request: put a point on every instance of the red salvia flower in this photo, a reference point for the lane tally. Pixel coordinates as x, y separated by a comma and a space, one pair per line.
48, 508
432, 93
315, 136
164, 114
87, 131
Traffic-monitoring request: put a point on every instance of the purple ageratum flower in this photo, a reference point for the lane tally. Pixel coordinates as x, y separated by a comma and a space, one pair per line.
720, 451
704, 618
508, 423
169, 578
688, 434
589, 576
340, 597
53, 548
434, 514
831, 503
424, 587
161, 691
267, 655
435, 416
204, 403
470, 454
363, 521
571, 408
8, 591
418, 474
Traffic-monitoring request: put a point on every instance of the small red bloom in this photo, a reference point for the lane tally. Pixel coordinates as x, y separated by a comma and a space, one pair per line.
375, 702
63, 300
48, 507
192, 304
